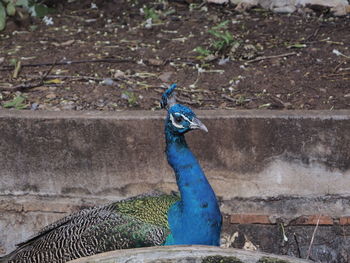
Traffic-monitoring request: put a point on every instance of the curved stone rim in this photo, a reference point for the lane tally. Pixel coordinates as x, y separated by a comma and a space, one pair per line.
181, 253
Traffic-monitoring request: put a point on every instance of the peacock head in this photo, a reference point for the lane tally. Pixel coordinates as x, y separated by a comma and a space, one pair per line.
180, 119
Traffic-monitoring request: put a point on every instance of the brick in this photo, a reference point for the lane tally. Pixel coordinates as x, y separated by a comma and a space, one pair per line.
312, 220
249, 219
42, 206
345, 220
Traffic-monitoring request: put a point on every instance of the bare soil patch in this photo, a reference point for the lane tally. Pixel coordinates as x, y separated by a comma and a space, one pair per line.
113, 58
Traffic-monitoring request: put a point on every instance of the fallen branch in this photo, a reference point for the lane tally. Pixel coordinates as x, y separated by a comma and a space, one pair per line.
224, 96
76, 77
10, 67
26, 86
270, 57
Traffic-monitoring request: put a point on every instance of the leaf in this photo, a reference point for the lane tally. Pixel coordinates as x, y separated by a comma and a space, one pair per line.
2, 17
13, 61
221, 25
215, 33
265, 105
297, 45
202, 51
17, 103
17, 69
11, 9
227, 37
130, 96
41, 10
23, 3
53, 81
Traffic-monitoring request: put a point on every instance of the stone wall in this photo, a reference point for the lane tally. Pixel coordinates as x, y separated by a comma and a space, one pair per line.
335, 7
274, 166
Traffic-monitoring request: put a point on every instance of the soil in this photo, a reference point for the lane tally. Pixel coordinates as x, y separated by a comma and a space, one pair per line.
119, 56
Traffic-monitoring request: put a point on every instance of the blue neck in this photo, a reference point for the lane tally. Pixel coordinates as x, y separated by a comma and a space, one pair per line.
196, 219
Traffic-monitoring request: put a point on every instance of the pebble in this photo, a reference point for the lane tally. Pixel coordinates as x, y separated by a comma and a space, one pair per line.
101, 103
34, 106
108, 82
119, 74
51, 96
165, 77
68, 105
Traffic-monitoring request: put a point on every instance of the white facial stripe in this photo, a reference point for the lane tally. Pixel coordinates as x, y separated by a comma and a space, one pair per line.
185, 118
177, 125
192, 124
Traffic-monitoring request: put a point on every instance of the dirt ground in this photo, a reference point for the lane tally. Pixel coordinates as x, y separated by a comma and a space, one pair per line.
116, 55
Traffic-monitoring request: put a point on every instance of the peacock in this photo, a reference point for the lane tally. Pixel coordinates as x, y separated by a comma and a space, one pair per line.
190, 217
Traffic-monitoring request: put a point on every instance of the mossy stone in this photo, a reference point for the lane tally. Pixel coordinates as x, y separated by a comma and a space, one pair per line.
272, 260
221, 259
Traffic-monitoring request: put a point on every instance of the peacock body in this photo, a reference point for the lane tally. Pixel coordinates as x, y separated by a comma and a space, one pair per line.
146, 220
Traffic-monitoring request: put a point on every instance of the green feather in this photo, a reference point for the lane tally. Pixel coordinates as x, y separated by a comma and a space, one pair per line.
148, 209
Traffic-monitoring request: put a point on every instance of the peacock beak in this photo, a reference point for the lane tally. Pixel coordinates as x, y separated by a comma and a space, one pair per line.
197, 124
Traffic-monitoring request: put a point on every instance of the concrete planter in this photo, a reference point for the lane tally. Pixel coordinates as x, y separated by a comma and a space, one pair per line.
186, 254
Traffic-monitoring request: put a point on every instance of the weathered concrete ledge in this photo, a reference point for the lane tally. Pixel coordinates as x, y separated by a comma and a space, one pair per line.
245, 153
283, 164
183, 254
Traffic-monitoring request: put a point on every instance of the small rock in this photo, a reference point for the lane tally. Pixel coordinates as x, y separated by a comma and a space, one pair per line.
125, 96
155, 62
219, 2
68, 105
347, 95
34, 106
100, 103
51, 96
244, 5
223, 61
119, 74
339, 10
284, 9
108, 82
2, 59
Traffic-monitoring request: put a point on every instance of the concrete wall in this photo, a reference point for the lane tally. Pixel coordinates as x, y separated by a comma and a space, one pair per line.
257, 161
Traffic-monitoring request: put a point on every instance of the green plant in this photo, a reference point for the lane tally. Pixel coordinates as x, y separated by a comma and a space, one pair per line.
221, 43
34, 7
151, 13
202, 51
17, 103
131, 97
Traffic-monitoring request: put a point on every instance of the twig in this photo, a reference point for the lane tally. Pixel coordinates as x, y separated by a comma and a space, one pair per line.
25, 86
313, 35
269, 57
312, 238
10, 67
17, 69
298, 246
224, 96
75, 77
338, 66
228, 98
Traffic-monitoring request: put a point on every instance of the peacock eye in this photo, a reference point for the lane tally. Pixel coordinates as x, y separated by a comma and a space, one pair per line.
178, 118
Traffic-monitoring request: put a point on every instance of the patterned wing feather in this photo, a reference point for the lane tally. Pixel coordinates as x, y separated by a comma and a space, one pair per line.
135, 222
